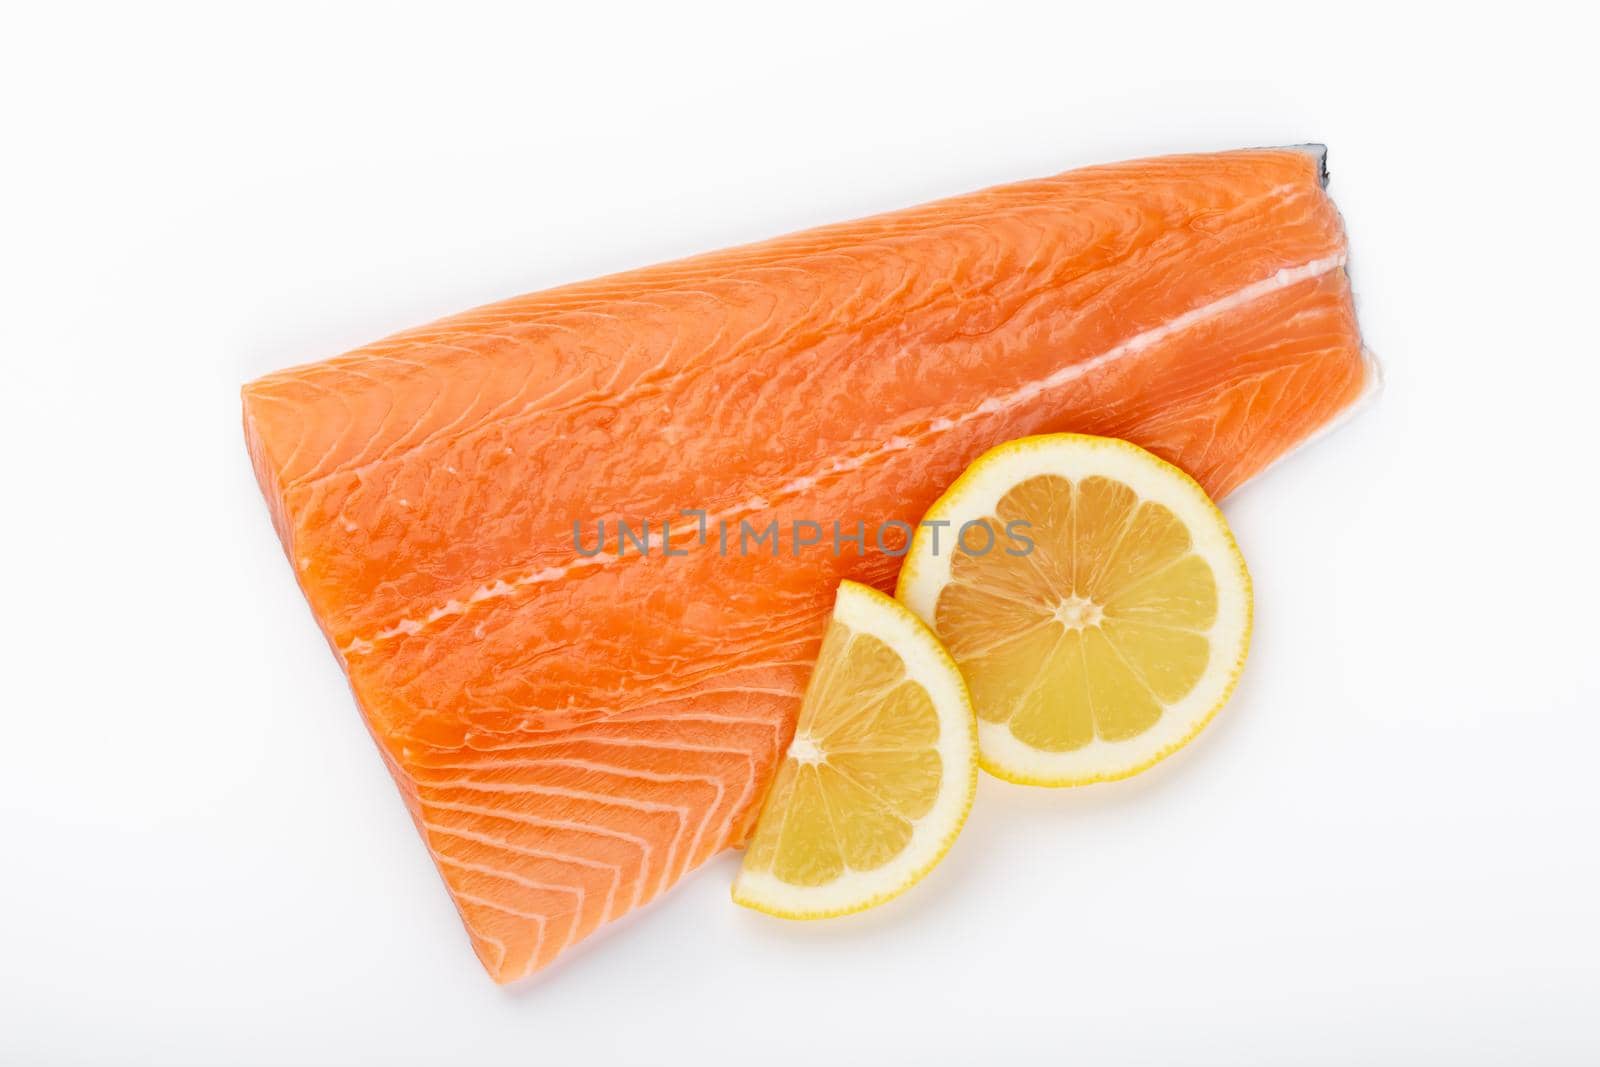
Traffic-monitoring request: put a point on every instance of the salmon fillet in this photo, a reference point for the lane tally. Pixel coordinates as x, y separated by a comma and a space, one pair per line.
574, 727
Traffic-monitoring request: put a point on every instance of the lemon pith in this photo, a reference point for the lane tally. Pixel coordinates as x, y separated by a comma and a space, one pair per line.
879, 777
1107, 634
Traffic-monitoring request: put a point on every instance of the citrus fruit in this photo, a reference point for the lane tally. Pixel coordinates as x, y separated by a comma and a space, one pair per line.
1094, 599
879, 777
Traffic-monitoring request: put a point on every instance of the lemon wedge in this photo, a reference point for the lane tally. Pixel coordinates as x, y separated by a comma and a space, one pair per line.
879, 777
1094, 599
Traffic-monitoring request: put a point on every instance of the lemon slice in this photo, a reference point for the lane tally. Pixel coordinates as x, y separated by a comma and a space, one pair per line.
1096, 604
879, 776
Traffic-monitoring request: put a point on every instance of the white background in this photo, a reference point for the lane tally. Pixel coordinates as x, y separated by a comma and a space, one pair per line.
1384, 850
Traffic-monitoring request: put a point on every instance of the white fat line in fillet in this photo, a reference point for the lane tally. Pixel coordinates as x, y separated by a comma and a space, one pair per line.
505, 845
576, 892
1028, 391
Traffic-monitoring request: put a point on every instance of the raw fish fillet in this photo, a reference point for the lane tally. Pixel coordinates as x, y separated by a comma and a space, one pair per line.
574, 733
